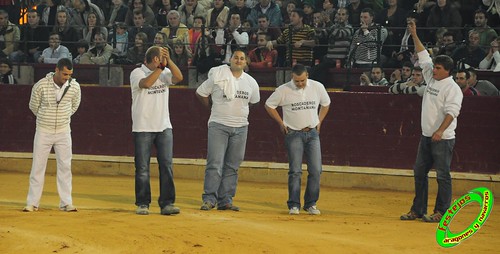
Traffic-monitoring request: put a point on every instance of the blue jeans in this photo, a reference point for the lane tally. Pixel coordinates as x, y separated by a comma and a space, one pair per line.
438, 154
163, 141
226, 150
299, 143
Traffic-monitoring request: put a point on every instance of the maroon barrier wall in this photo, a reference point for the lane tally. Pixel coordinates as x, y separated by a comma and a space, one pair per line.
362, 129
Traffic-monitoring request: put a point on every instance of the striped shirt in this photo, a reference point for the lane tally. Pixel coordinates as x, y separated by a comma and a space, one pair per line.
339, 41
51, 116
365, 45
303, 53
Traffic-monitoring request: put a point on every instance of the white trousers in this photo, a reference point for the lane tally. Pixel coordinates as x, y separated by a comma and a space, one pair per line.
42, 145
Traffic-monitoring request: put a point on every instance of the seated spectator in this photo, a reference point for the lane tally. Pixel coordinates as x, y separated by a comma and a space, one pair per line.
231, 38
376, 78
320, 35
181, 55
92, 28
436, 18
6, 76
175, 31
147, 13
366, 41
9, 35
189, 10
448, 45
470, 54
302, 41
34, 38
135, 54
486, 33
394, 19
194, 33
492, 59
100, 53
241, 9
82, 46
140, 26
401, 75
309, 10
268, 8
82, 9
118, 13
217, 17
287, 12
329, 10
261, 57
161, 9
461, 77
49, 15
485, 87
119, 40
55, 51
68, 34
263, 27
414, 85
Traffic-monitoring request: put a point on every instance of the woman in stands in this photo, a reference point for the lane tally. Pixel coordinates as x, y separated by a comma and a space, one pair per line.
92, 28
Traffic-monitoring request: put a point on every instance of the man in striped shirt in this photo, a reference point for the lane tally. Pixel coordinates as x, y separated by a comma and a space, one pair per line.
299, 39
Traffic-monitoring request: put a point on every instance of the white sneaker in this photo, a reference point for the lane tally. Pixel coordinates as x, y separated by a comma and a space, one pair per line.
142, 210
68, 208
313, 210
294, 211
30, 208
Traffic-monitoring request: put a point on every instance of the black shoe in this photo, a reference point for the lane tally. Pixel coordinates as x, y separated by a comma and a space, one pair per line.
229, 207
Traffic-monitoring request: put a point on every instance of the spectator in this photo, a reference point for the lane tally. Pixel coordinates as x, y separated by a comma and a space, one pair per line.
321, 36
376, 78
140, 26
366, 41
302, 40
92, 28
354, 9
34, 37
181, 55
119, 41
135, 54
448, 45
261, 57
415, 85
232, 38
268, 8
9, 35
68, 34
339, 41
309, 10
486, 33
422, 9
83, 8
147, 13
485, 87
6, 76
241, 9
189, 10
285, 14
263, 27
329, 10
55, 51
49, 15
175, 31
160, 40
118, 13
100, 53
394, 19
461, 77
161, 9
492, 59
470, 54
444, 15
194, 33
217, 17
82, 47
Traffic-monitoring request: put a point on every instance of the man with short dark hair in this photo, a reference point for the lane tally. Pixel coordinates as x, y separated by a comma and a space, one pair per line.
441, 105
100, 53
486, 33
34, 38
9, 35
55, 51
268, 8
54, 99
151, 126
462, 78
300, 99
485, 87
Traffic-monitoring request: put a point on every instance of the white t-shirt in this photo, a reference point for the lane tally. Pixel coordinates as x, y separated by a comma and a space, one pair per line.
300, 106
441, 97
232, 113
150, 105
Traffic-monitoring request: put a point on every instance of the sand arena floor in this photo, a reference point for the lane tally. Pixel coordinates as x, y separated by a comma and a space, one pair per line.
352, 221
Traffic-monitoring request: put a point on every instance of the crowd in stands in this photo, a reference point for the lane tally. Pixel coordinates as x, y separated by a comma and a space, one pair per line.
319, 33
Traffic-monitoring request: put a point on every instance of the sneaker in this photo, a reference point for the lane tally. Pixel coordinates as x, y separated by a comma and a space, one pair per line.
411, 215
294, 211
313, 210
207, 206
228, 207
435, 217
142, 210
170, 209
30, 208
68, 208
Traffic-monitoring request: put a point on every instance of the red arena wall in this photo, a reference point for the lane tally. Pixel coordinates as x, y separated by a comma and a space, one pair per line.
361, 129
